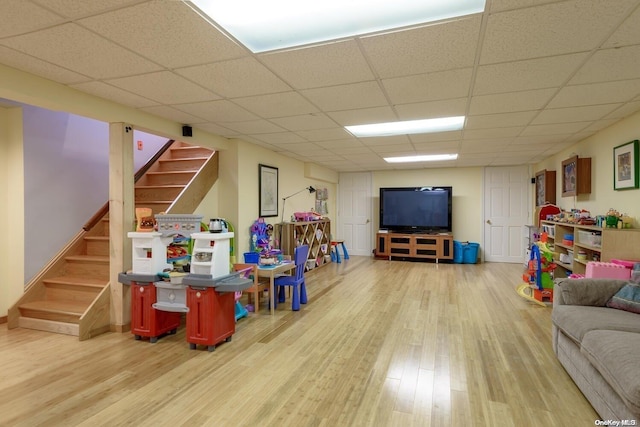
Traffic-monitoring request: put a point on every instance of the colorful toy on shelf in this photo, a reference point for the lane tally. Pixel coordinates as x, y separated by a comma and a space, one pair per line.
538, 285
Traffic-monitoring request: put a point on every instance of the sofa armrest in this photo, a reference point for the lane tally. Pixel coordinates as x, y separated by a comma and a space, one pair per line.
593, 292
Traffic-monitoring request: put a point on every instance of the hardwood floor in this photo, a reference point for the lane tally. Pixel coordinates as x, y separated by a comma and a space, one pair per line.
379, 344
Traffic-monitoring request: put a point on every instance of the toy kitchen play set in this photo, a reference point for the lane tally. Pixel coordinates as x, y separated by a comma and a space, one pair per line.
205, 295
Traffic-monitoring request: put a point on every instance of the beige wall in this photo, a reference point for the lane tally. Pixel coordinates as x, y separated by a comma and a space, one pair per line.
600, 148
467, 195
11, 207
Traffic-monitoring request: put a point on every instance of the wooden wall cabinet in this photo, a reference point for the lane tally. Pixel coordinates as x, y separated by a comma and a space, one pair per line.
425, 246
576, 176
545, 187
316, 234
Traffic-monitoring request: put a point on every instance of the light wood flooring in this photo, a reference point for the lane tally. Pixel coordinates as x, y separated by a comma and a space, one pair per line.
379, 344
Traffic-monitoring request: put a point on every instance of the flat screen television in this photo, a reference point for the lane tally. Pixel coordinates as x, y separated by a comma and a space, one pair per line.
416, 209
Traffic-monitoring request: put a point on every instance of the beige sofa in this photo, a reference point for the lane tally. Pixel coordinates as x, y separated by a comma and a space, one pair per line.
599, 347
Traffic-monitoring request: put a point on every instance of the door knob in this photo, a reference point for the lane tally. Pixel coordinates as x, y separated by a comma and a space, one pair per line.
489, 221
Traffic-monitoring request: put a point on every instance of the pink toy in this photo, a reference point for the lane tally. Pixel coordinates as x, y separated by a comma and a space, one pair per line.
607, 270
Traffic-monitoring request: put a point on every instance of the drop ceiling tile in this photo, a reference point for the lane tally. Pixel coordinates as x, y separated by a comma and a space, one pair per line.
540, 139
164, 87
529, 74
305, 122
429, 87
115, 94
599, 125
78, 9
489, 121
596, 93
435, 147
610, 64
325, 65
172, 114
218, 111
510, 102
32, 65
347, 97
375, 141
301, 147
500, 5
554, 128
502, 132
325, 134
386, 149
20, 16
185, 41
73, 47
277, 105
436, 47
625, 110
627, 34
435, 137
235, 78
363, 116
253, 127
432, 109
345, 150
550, 29
575, 114
339, 143
279, 138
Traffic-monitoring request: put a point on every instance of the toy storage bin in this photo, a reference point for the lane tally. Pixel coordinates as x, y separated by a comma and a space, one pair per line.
470, 253
457, 252
591, 238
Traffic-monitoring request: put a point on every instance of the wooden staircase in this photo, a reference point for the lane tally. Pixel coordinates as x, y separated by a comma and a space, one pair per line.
71, 294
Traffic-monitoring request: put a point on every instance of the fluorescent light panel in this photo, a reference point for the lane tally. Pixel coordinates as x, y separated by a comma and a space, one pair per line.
443, 124
425, 158
269, 25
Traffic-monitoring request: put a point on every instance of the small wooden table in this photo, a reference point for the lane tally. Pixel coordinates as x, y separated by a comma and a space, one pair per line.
270, 272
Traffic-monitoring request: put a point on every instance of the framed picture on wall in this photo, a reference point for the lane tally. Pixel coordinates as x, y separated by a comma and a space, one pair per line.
625, 166
570, 176
268, 190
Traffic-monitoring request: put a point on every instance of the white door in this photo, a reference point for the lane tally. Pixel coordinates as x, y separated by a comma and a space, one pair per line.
355, 205
506, 212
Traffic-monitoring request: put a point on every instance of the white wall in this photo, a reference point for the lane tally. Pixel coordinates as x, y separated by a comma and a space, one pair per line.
600, 148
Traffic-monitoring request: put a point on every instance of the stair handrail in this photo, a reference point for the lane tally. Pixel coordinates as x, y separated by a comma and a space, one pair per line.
139, 174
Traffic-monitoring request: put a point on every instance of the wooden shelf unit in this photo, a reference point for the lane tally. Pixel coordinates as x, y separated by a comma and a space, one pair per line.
614, 244
419, 245
316, 234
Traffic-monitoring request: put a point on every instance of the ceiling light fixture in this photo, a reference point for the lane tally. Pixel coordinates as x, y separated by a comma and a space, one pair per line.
444, 124
425, 158
278, 24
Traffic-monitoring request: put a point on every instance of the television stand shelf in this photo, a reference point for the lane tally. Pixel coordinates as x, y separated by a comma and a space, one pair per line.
414, 245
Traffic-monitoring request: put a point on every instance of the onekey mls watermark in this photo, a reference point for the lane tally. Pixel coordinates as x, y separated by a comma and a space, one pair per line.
617, 423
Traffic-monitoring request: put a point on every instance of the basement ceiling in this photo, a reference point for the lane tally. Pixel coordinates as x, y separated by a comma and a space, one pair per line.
533, 77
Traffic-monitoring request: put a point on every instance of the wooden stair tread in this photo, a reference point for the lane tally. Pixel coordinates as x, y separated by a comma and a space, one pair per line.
83, 281
74, 308
185, 159
160, 186
170, 172
148, 202
87, 258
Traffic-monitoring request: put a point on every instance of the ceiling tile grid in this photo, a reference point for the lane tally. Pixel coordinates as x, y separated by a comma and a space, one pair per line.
531, 76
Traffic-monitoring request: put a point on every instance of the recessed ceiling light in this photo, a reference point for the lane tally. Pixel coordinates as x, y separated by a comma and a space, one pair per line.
425, 158
443, 124
277, 24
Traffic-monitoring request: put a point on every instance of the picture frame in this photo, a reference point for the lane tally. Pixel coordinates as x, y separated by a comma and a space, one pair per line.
570, 176
268, 190
625, 166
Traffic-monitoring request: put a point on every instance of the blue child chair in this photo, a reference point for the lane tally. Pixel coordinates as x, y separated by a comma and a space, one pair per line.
296, 280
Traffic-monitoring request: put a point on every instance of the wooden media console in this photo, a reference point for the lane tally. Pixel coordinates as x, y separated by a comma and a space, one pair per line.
414, 245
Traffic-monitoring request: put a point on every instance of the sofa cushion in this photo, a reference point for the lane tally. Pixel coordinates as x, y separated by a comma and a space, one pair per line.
576, 320
627, 298
595, 292
616, 355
